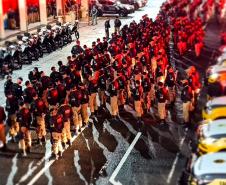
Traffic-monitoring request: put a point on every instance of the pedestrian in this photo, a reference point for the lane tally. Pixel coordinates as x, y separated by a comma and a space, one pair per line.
94, 13
2, 128
117, 24
107, 26
93, 88
84, 104
24, 119
8, 85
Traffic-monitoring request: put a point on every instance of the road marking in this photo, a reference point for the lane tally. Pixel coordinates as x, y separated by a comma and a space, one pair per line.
114, 174
49, 163
169, 178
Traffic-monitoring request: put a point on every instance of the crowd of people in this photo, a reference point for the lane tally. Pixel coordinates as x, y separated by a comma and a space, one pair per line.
132, 68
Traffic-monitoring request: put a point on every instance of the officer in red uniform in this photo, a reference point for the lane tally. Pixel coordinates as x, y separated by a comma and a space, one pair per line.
56, 129
39, 111
67, 113
28, 94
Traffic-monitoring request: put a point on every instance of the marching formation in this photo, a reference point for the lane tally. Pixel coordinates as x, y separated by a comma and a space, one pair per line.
132, 68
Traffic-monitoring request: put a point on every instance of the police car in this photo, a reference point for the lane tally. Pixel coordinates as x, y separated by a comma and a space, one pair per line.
215, 109
212, 137
209, 169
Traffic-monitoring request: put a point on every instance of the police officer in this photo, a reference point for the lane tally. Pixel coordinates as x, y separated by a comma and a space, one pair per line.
186, 97
17, 89
28, 94
39, 111
102, 84
171, 84
162, 96
137, 94
112, 89
121, 89
2, 128
107, 26
56, 129
8, 85
92, 96
146, 84
12, 108
74, 98
67, 113
24, 118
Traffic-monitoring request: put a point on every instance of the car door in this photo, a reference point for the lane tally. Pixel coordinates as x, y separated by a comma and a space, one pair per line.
112, 7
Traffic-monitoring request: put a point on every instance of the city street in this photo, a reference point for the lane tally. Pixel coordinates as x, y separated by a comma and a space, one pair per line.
113, 152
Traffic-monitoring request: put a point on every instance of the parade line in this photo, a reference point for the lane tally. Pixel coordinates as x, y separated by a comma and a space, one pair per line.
114, 174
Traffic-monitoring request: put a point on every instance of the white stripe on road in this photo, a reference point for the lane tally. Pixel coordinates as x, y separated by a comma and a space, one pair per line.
114, 174
169, 178
48, 164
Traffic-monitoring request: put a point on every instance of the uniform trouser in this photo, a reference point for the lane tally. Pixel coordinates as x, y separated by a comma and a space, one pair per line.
114, 105
172, 94
162, 110
147, 101
186, 110
77, 118
84, 112
107, 33
117, 30
93, 102
41, 127
94, 20
2, 133
152, 93
102, 97
57, 144
25, 140
121, 98
128, 89
138, 108
14, 129
66, 133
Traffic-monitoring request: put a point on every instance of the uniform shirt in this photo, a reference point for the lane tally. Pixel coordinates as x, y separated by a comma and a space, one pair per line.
186, 94
28, 94
113, 87
38, 107
102, 83
146, 84
12, 104
161, 95
170, 80
56, 123
52, 96
24, 117
66, 112
75, 98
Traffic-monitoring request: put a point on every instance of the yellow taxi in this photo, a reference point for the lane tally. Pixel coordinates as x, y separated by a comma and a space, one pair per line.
209, 169
215, 109
212, 137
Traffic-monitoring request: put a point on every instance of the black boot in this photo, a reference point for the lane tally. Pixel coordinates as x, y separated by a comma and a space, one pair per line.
60, 154
43, 140
39, 142
69, 142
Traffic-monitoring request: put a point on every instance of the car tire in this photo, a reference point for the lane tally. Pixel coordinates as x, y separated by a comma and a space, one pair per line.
123, 14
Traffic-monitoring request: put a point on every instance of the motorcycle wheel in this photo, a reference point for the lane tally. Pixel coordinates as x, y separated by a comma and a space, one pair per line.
40, 52
77, 35
29, 57
48, 47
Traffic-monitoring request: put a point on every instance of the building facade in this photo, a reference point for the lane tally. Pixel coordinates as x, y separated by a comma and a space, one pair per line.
21, 14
